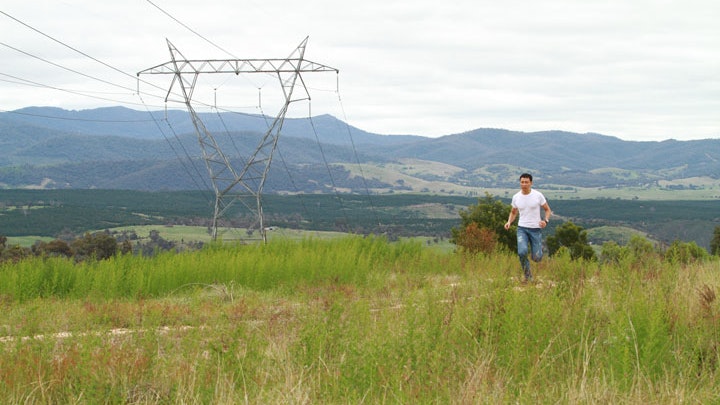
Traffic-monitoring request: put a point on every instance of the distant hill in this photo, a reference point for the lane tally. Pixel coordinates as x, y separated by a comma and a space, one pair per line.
120, 148
125, 122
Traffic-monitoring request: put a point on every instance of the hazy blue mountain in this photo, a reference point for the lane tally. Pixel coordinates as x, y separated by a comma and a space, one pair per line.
117, 147
125, 122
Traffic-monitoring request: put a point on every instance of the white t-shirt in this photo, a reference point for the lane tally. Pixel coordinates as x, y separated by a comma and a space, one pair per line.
528, 206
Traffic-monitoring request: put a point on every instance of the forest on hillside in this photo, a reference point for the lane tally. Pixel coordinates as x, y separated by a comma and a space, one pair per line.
51, 213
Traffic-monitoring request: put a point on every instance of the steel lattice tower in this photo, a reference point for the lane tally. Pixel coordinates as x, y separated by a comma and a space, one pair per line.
243, 184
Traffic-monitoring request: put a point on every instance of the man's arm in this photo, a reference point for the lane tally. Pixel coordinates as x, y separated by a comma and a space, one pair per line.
511, 217
548, 213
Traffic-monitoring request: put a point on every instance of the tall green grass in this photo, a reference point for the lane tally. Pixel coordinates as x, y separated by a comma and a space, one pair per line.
282, 264
356, 320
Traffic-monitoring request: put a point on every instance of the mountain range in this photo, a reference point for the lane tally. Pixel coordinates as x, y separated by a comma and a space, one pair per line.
121, 148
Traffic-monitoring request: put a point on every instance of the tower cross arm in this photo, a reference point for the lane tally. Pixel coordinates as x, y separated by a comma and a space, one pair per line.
237, 66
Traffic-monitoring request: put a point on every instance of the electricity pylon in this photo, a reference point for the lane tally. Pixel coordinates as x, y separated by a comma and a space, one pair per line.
250, 178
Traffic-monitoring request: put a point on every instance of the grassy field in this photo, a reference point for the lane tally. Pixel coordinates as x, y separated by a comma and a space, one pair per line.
356, 320
183, 233
180, 233
411, 172
636, 193
621, 235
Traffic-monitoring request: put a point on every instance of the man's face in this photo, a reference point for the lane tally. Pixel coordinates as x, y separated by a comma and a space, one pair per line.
525, 185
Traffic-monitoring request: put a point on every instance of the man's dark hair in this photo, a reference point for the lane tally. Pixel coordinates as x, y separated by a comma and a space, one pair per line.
526, 176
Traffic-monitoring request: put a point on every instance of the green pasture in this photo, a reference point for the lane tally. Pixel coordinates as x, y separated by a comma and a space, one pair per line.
179, 233
636, 193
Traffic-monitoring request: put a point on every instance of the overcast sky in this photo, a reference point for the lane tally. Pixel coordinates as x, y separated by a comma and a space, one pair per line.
634, 69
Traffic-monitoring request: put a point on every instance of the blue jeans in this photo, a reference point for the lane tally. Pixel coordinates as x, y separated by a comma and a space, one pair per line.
529, 240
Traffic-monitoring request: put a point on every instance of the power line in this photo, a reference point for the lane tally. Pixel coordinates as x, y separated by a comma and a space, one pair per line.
327, 166
20, 80
137, 91
196, 33
73, 118
27, 82
66, 68
94, 78
187, 154
191, 30
134, 77
357, 158
66, 45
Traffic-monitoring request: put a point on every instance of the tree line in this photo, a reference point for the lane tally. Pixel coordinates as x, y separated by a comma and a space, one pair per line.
93, 246
482, 231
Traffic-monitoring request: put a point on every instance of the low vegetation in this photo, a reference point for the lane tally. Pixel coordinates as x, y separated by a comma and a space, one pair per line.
358, 320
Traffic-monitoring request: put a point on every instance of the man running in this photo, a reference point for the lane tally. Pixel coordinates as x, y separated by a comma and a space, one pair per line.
527, 202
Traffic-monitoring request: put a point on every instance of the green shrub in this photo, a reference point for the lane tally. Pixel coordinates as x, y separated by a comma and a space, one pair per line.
685, 252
